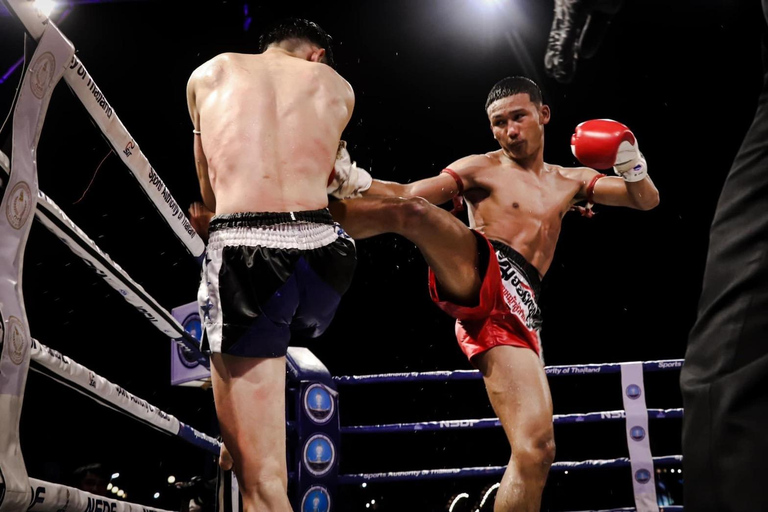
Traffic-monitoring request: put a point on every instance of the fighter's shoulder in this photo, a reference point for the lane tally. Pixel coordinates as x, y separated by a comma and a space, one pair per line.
331, 74
472, 163
212, 67
573, 173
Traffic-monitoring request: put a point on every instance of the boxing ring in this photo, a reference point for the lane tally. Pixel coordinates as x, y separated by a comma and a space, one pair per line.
315, 433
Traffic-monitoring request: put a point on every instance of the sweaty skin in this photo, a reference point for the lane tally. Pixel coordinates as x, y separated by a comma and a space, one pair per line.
260, 149
513, 195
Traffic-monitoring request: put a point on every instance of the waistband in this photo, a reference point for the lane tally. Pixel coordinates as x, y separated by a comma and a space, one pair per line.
530, 272
260, 219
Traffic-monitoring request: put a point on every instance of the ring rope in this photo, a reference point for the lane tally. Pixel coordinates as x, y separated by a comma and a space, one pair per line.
666, 508
50, 497
434, 474
466, 424
113, 130
57, 222
61, 368
444, 375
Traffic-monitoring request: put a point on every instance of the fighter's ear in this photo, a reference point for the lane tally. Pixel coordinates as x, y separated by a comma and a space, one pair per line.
544, 114
318, 55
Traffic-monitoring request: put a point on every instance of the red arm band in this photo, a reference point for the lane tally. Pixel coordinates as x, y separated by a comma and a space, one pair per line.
591, 187
458, 201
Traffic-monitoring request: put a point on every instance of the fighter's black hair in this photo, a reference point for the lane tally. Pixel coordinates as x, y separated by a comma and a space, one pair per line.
301, 29
514, 85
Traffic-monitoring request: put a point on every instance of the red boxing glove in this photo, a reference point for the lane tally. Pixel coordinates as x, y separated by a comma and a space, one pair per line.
604, 143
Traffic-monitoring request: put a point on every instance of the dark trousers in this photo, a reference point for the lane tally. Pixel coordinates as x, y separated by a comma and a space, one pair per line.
724, 379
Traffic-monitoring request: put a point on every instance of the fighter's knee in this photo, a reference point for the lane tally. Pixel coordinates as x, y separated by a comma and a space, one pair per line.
409, 211
535, 454
266, 490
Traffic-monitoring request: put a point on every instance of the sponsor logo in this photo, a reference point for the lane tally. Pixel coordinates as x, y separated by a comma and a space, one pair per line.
319, 455
637, 433
41, 74
176, 211
612, 415
38, 495
518, 294
316, 499
319, 404
457, 423
642, 476
633, 391
98, 96
128, 147
19, 205
17, 340
151, 409
193, 326
99, 505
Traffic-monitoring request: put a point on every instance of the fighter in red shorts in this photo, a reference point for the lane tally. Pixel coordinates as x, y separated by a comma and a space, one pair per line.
487, 277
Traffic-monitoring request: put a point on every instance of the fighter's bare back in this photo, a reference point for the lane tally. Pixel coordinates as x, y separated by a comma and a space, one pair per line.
269, 127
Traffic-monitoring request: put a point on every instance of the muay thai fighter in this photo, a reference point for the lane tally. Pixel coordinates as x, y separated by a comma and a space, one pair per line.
488, 277
267, 131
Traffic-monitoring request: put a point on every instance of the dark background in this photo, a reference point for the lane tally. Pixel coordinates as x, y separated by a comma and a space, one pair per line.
623, 286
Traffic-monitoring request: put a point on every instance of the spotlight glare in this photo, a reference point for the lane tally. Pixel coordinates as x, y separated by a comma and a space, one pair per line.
156, 495
364, 485
45, 7
115, 475
109, 486
171, 479
114, 490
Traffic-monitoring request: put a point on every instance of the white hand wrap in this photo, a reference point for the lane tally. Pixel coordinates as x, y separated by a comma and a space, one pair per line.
349, 180
630, 163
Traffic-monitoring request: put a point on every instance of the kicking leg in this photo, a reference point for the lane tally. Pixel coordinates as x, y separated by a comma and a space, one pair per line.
448, 246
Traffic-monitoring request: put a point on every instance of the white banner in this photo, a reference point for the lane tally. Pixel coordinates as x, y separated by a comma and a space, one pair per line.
94, 384
638, 442
16, 211
48, 497
94, 101
57, 222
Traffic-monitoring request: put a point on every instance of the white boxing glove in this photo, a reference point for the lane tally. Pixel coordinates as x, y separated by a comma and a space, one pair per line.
347, 179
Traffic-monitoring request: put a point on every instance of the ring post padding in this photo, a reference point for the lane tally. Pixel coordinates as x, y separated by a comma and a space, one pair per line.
45, 70
641, 461
102, 113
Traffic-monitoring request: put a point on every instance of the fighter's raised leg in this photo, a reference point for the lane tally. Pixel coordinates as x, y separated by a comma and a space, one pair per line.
448, 246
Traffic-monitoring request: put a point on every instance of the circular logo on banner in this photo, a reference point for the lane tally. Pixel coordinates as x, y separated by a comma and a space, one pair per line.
318, 403
316, 499
17, 341
41, 73
193, 326
19, 205
643, 476
319, 454
633, 391
637, 433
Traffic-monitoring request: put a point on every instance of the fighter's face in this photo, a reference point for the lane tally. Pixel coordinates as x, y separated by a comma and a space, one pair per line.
517, 123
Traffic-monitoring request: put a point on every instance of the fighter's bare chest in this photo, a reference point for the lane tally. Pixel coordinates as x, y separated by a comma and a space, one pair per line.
537, 196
